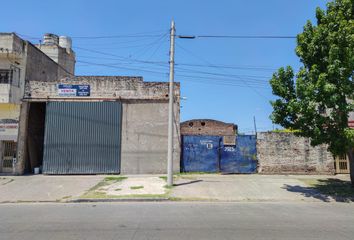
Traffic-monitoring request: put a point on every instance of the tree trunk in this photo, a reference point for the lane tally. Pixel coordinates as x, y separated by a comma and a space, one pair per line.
351, 165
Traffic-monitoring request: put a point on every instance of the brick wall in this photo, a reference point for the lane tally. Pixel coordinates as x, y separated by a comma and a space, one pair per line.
287, 153
207, 127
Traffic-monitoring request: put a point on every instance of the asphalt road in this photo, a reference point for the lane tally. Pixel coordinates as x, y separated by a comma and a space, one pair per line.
177, 221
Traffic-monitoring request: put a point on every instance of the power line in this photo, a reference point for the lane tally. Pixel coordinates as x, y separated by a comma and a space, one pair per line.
217, 66
222, 81
245, 82
239, 36
140, 60
225, 75
114, 55
163, 37
112, 66
158, 47
149, 34
228, 79
208, 65
199, 79
119, 43
129, 65
261, 68
121, 58
251, 78
136, 35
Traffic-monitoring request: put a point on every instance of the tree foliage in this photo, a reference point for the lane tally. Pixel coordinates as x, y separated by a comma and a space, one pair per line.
317, 99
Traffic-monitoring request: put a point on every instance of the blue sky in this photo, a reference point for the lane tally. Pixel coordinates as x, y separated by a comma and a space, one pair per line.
223, 79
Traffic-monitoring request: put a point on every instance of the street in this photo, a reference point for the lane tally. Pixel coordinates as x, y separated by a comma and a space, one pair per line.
177, 220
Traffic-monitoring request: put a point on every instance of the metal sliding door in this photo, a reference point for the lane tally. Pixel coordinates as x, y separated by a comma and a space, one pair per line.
82, 138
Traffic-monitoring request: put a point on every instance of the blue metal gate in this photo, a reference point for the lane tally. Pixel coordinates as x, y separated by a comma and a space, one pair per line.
239, 158
211, 154
200, 154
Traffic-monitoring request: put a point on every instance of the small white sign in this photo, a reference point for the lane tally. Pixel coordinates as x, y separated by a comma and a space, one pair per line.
209, 145
229, 149
66, 92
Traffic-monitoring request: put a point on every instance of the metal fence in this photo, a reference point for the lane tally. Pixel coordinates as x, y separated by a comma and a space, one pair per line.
342, 164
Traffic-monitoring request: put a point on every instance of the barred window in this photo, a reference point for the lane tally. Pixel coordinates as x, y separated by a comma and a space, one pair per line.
6, 75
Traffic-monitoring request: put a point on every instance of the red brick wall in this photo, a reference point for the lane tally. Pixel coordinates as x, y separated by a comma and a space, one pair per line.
207, 127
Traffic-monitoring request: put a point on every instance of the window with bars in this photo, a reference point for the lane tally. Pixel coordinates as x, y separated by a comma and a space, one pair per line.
6, 76
342, 164
8, 154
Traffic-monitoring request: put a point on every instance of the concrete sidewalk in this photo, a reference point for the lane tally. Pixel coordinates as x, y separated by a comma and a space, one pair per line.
42, 188
248, 187
188, 187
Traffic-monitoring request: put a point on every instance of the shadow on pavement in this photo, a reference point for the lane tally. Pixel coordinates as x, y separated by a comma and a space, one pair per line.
186, 183
326, 190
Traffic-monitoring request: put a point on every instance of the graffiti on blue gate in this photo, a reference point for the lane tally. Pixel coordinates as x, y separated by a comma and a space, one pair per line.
243, 157
211, 154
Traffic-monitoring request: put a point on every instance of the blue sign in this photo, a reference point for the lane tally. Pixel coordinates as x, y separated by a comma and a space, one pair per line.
69, 90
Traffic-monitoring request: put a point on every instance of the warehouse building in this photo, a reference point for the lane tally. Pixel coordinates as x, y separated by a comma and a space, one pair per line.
96, 125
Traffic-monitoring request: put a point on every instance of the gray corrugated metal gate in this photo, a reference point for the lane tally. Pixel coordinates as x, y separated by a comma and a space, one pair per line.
82, 138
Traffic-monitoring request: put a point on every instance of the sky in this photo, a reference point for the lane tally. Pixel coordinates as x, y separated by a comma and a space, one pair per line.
221, 78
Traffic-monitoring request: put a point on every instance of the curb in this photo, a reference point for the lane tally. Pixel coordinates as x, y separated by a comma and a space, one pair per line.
83, 200
141, 200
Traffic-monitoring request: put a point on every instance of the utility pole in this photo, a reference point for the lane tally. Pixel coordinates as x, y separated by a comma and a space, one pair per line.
255, 126
170, 107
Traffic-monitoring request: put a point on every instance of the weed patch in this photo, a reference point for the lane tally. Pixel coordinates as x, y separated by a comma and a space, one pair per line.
95, 192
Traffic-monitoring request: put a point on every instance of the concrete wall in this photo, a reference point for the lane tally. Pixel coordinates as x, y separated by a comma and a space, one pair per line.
144, 137
207, 127
11, 43
20, 163
287, 153
1, 155
4, 93
65, 58
39, 66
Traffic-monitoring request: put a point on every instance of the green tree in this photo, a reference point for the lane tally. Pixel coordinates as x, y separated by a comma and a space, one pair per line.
318, 99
